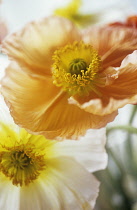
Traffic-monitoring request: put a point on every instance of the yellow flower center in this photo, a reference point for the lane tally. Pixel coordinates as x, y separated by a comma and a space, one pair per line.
75, 68
21, 164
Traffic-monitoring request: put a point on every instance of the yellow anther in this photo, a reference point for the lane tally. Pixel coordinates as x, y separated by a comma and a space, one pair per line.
21, 165
75, 68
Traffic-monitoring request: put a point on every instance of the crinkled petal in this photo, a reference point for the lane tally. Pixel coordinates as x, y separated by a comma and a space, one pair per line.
34, 45
122, 91
129, 59
44, 109
112, 43
88, 151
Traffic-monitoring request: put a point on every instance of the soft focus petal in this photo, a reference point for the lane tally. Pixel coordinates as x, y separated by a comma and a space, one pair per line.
130, 22
3, 30
89, 150
34, 45
39, 195
129, 59
72, 12
9, 195
44, 109
64, 189
112, 43
5, 113
80, 187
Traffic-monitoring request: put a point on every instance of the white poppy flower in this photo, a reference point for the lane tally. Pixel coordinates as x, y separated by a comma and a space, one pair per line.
39, 174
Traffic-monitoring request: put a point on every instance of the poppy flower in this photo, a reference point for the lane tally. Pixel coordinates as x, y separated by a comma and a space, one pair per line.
62, 81
37, 173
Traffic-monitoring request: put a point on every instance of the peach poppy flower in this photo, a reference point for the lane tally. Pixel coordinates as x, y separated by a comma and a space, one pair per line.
62, 81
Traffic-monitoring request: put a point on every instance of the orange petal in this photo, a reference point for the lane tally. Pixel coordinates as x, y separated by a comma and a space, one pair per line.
44, 109
130, 22
34, 45
112, 43
125, 86
122, 91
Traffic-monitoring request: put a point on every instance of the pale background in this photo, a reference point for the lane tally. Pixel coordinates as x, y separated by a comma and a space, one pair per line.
19, 12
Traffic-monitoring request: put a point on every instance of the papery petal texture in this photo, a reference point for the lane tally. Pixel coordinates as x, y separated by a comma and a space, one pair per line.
112, 43
46, 106
34, 45
120, 92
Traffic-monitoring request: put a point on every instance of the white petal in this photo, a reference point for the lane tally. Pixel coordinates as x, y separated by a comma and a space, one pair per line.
5, 116
4, 111
65, 186
9, 195
131, 58
89, 150
39, 195
81, 187
4, 63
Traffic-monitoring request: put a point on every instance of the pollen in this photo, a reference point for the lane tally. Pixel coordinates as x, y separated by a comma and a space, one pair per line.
21, 164
75, 68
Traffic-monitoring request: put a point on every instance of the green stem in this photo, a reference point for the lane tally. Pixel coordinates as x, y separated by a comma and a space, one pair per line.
133, 114
116, 161
129, 146
128, 143
127, 128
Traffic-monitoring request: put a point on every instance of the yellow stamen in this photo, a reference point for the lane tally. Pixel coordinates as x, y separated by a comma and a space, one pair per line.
24, 157
21, 164
76, 67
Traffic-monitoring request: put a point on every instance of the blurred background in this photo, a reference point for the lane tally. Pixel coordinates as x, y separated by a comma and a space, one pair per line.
119, 180
17, 12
